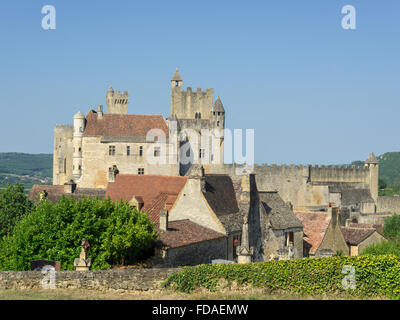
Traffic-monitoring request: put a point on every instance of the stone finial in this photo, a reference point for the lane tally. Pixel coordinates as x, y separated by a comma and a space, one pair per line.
83, 263
164, 220
371, 159
244, 251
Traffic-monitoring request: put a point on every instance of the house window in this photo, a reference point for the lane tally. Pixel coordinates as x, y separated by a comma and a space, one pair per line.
141, 151
111, 150
156, 151
141, 171
128, 150
202, 152
289, 238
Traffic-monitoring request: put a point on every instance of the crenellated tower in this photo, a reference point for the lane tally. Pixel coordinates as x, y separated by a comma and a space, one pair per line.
117, 102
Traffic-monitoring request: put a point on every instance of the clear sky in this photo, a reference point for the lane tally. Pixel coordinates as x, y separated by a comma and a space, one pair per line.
314, 92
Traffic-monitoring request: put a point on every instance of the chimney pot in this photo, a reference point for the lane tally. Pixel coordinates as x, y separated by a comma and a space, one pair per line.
164, 220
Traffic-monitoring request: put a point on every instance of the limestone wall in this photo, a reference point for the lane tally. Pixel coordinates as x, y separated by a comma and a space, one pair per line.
62, 153
388, 205
127, 279
96, 161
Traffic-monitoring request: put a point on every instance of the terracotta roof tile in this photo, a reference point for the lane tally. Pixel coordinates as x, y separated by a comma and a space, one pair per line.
185, 232
156, 191
354, 236
315, 225
123, 125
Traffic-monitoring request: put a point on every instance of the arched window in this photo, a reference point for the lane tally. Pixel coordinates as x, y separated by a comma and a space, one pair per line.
199, 115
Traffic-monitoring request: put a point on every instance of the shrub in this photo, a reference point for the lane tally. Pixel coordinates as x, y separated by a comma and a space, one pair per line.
53, 231
375, 276
14, 204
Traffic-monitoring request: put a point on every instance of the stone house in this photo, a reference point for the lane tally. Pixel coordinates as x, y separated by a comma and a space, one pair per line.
283, 235
322, 233
357, 238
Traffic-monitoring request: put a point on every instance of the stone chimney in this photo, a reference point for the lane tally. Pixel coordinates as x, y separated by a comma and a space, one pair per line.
69, 187
100, 112
333, 213
164, 219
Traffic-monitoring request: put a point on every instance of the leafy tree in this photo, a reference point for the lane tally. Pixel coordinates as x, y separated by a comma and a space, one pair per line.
383, 248
391, 228
382, 184
116, 232
14, 204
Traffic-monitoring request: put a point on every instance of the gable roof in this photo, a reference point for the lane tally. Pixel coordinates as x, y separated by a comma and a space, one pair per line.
220, 194
315, 225
55, 192
354, 236
157, 192
123, 125
279, 214
185, 232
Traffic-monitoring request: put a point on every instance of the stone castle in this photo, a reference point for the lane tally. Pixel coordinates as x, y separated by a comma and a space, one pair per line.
100, 145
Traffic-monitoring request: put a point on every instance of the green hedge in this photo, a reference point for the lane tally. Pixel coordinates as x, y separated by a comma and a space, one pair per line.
377, 276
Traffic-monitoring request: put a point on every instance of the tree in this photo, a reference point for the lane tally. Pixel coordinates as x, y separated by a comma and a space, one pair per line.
382, 184
391, 228
14, 204
53, 231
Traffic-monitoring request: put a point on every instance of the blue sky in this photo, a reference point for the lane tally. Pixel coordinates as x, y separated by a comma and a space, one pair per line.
314, 92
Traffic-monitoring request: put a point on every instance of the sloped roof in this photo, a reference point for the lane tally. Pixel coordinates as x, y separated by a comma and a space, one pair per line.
55, 192
220, 194
354, 236
280, 215
157, 192
185, 232
371, 159
176, 76
377, 226
218, 106
123, 125
315, 225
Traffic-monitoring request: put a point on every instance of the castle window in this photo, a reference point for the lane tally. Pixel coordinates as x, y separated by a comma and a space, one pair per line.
176, 83
128, 150
219, 113
111, 150
217, 123
80, 129
202, 152
65, 165
79, 168
195, 115
141, 171
214, 113
80, 149
199, 115
156, 151
141, 151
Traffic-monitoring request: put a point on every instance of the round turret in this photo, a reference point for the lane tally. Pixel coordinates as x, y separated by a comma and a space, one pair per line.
79, 115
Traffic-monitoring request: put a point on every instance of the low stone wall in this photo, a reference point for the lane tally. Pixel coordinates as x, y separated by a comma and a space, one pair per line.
103, 280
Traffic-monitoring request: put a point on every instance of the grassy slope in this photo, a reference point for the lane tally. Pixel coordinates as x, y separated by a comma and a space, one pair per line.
25, 168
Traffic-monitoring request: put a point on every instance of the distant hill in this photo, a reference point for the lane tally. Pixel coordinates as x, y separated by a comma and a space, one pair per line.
28, 169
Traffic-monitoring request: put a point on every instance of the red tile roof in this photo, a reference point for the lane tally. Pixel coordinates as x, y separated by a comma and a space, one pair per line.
123, 125
354, 236
157, 192
185, 232
315, 225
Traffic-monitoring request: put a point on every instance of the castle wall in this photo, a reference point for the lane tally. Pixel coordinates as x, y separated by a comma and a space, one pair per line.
388, 204
299, 184
184, 104
62, 154
96, 161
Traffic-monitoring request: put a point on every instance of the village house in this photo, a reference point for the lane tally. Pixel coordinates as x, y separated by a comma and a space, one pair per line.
322, 233
359, 237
